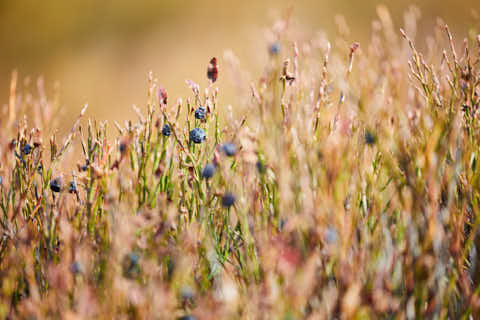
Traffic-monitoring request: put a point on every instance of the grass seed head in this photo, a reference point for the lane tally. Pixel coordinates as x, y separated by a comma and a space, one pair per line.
162, 96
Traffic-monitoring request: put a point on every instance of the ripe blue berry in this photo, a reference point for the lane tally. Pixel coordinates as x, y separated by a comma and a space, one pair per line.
370, 138
131, 267
123, 147
260, 167
274, 48
229, 148
76, 267
133, 257
188, 295
228, 200
73, 187
27, 149
166, 130
331, 235
56, 185
208, 171
200, 113
197, 135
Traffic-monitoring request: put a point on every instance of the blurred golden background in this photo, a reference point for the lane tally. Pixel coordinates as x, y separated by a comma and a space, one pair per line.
101, 51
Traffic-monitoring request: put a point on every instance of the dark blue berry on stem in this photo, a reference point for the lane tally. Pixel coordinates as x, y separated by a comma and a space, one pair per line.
27, 149
73, 187
331, 235
230, 149
370, 138
200, 113
188, 296
228, 200
131, 267
134, 258
76, 267
208, 171
166, 131
274, 48
197, 135
123, 147
260, 167
56, 185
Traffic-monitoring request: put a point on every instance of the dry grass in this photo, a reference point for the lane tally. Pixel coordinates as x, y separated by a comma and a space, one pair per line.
350, 190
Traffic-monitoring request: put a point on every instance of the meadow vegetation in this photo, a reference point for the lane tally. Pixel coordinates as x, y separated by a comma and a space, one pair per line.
343, 183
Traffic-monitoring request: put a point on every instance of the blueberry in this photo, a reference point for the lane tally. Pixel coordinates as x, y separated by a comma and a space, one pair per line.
229, 148
131, 267
187, 295
274, 48
123, 147
76, 267
166, 130
208, 171
228, 200
331, 235
197, 135
27, 149
200, 113
73, 187
56, 185
133, 257
370, 138
260, 167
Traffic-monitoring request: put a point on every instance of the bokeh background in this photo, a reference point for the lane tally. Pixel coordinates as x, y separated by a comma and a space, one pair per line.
101, 51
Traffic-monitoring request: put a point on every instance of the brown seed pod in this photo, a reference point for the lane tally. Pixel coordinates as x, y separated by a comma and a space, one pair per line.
162, 95
212, 71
